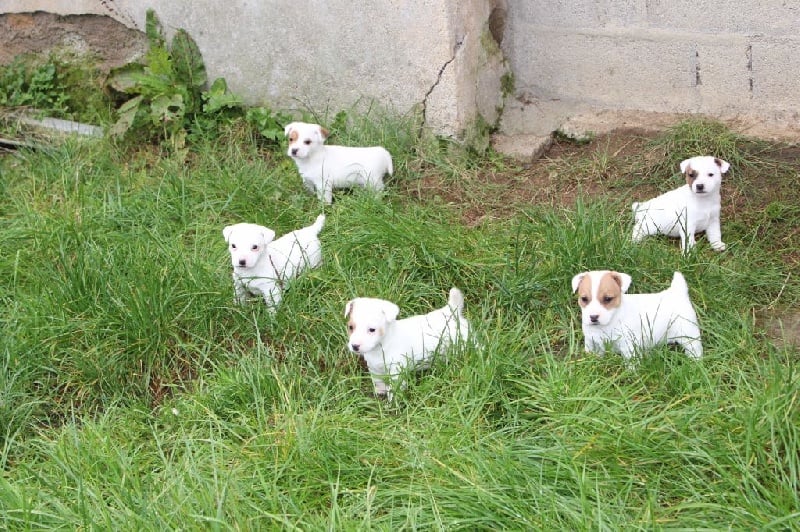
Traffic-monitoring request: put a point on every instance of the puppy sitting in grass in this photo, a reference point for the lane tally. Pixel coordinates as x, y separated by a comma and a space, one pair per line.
688, 209
324, 168
631, 322
263, 266
389, 345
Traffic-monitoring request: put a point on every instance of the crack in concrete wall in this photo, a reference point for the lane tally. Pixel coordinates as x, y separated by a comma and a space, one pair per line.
457, 47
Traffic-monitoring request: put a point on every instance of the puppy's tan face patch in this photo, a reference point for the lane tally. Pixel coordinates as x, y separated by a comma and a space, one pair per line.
293, 135
585, 291
691, 175
609, 291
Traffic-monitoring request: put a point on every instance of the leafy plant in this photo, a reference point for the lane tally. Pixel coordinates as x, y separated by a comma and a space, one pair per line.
167, 91
268, 123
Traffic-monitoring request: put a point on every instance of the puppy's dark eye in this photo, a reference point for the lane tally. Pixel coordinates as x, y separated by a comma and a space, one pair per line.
233, 246
307, 142
693, 174
350, 328
255, 247
711, 174
584, 299
608, 299
371, 330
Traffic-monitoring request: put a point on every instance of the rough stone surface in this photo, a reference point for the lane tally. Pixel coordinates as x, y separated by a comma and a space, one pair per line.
102, 37
524, 148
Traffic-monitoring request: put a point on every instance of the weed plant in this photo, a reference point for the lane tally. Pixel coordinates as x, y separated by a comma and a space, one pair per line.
134, 395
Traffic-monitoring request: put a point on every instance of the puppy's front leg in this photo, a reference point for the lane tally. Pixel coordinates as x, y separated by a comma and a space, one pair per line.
687, 239
239, 292
272, 297
326, 192
714, 234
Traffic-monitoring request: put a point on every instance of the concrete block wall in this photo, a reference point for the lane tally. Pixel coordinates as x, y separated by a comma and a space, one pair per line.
445, 59
725, 59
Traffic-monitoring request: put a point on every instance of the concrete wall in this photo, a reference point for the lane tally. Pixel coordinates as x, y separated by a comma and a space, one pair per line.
445, 59
428, 56
723, 58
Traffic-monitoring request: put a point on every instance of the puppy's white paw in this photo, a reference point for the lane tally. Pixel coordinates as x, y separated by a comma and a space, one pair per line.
718, 246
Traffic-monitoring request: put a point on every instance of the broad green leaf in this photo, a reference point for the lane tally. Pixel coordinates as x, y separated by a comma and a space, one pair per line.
127, 114
167, 109
187, 60
125, 78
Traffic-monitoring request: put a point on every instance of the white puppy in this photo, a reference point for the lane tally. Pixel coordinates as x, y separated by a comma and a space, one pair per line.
324, 168
688, 209
635, 321
263, 266
388, 345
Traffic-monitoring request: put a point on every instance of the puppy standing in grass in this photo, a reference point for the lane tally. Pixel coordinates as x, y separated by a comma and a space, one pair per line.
324, 168
389, 345
688, 209
263, 266
635, 321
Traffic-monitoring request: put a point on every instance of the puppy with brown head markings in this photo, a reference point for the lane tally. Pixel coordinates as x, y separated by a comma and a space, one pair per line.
688, 209
632, 322
326, 167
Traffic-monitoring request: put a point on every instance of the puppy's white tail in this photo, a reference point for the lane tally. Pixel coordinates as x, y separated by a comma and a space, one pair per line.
679, 283
318, 224
456, 301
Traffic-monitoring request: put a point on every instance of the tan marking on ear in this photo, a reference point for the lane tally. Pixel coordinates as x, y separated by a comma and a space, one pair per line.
293, 134
324, 132
690, 174
585, 290
609, 292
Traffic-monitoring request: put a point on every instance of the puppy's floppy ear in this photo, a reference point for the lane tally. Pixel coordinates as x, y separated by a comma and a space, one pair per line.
723, 165
685, 165
577, 280
323, 133
348, 308
623, 280
226, 232
390, 310
267, 234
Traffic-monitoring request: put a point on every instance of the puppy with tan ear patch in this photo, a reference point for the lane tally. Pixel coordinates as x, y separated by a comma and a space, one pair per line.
264, 266
633, 322
324, 168
389, 345
688, 209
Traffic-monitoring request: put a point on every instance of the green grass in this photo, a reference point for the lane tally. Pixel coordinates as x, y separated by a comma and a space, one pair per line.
134, 395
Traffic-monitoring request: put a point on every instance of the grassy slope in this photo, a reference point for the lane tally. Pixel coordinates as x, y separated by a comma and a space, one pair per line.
134, 395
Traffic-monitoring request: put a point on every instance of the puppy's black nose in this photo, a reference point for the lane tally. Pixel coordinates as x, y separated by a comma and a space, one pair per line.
594, 318
294, 151
699, 187
242, 262
355, 347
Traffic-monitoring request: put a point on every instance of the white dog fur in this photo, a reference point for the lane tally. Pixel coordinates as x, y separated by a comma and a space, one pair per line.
263, 266
631, 322
324, 168
688, 209
389, 345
